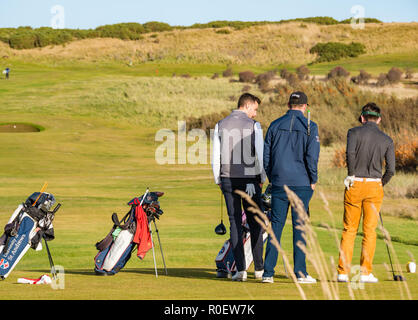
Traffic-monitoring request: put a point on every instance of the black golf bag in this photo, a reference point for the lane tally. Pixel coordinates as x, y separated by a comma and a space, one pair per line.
131, 232
225, 261
29, 224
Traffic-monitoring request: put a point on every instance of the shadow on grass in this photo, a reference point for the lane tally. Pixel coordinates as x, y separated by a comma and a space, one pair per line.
188, 273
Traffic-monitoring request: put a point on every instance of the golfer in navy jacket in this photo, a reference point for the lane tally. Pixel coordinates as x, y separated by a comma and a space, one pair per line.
291, 152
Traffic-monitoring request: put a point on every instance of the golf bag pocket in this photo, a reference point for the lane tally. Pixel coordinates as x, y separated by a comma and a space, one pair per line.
225, 261
115, 256
16, 245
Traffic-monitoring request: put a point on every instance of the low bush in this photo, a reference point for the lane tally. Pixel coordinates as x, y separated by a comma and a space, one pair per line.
406, 154
394, 75
362, 78
247, 76
382, 80
223, 31
284, 73
303, 72
263, 81
227, 73
409, 73
338, 72
332, 51
339, 159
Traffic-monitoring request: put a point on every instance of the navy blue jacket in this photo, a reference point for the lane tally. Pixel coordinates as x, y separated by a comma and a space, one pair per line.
290, 155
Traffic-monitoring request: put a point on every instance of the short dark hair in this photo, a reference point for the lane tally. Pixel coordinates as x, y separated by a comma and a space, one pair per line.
246, 98
371, 107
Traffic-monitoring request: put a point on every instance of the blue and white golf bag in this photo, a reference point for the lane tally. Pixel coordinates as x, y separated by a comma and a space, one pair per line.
28, 225
116, 248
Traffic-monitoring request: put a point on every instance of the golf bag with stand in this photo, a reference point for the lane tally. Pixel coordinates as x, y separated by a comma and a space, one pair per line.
225, 261
29, 224
131, 232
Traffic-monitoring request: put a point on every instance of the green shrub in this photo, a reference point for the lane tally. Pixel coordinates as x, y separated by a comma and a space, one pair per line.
223, 31
23, 40
366, 20
332, 51
155, 26
124, 31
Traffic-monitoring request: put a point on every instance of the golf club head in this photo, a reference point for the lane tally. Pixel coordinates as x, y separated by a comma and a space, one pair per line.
398, 277
220, 229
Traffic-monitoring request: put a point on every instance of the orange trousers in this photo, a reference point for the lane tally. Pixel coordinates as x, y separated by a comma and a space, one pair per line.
364, 196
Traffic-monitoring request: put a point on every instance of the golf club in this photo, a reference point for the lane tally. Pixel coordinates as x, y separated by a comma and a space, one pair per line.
51, 262
396, 277
220, 228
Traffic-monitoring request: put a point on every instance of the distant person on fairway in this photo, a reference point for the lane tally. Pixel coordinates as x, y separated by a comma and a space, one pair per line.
291, 152
367, 148
6, 73
238, 165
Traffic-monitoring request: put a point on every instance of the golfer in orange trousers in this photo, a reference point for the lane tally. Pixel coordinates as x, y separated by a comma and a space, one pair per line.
367, 149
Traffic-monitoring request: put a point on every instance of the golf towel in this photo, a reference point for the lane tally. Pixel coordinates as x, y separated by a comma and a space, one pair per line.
142, 235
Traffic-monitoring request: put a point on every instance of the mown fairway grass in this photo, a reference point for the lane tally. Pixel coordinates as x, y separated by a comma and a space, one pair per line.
97, 153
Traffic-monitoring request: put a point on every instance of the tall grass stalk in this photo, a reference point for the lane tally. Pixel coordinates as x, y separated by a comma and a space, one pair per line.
312, 249
263, 220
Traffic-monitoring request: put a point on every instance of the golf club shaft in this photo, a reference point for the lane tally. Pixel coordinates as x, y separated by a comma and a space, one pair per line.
387, 246
51, 262
161, 247
222, 208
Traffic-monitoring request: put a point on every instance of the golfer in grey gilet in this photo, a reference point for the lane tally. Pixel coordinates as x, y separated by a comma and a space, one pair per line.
238, 165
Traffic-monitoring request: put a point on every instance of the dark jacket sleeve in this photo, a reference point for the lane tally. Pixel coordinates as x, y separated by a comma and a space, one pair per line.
351, 151
267, 153
312, 155
390, 163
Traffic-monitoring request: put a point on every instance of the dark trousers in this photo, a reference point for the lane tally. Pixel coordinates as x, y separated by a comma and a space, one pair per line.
280, 206
234, 204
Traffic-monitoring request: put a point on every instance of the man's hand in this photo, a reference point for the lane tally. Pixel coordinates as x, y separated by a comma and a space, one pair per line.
349, 181
220, 185
313, 185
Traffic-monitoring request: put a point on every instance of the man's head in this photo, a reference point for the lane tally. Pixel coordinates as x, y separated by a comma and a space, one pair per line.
248, 103
298, 101
370, 112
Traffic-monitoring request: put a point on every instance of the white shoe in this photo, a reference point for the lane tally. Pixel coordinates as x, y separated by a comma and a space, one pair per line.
342, 278
258, 274
307, 279
368, 279
267, 280
240, 276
